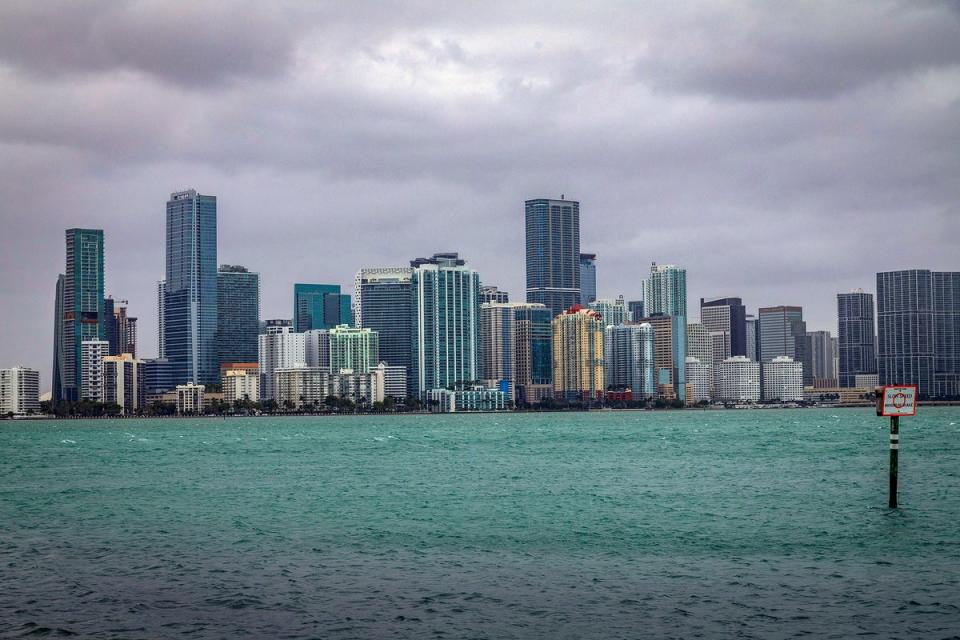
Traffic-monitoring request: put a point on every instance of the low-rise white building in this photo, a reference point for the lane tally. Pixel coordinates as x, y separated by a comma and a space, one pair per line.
477, 398
737, 379
783, 379
19, 391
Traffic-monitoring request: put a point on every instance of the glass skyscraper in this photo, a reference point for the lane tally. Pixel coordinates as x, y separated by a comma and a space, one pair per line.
80, 308
320, 306
779, 329
515, 346
383, 304
856, 341
588, 278
553, 253
238, 314
190, 289
445, 314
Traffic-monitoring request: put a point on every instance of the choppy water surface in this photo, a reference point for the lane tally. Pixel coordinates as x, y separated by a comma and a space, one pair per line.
715, 524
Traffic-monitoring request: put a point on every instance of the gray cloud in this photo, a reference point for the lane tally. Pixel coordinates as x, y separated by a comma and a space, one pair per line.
782, 152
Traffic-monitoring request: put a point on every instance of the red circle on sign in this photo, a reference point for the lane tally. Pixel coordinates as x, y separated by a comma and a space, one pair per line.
899, 401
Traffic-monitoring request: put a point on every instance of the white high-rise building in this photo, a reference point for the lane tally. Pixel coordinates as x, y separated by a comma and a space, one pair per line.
698, 379
19, 391
123, 382
629, 358
92, 353
612, 312
280, 349
737, 379
783, 380
317, 348
699, 344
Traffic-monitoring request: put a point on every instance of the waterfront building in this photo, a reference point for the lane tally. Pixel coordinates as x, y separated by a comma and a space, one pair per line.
309, 387
737, 380
157, 376
19, 391
317, 348
728, 318
782, 379
383, 304
515, 347
91, 369
473, 398
190, 291
241, 384
553, 253
918, 320
578, 373
278, 350
635, 307
190, 398
666, 291
394, 379
238, 314
630, 359
123, 383
612, 312
699, 379
699, 343
81, 306
752, 334
821, 356
779, 329
670, 347
866, 381
161, 318
445, 310
120, 329
353, 348
320, 306
588, 278
490, 293
856, 338
850, 396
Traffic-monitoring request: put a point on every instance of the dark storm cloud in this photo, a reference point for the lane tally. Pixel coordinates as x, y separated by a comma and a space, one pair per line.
781, 152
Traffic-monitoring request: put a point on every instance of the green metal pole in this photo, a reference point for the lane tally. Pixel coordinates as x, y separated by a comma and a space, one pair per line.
894, 450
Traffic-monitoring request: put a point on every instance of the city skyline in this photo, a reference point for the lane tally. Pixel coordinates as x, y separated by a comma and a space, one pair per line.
438, 125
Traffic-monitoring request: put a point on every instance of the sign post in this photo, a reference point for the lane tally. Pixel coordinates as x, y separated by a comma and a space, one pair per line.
896, 401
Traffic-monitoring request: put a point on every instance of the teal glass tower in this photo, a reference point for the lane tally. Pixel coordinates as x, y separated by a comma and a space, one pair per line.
320, 306
190, 289
80, 305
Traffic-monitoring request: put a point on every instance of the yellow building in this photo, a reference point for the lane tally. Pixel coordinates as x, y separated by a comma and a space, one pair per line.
578, 355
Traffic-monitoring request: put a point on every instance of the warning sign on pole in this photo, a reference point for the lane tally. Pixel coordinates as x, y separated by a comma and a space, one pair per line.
899, 400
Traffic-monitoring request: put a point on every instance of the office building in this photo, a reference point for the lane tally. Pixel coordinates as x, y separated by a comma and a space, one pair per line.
490, 293
779, 329
588, 278
320, 306
241, 385
282, 349
578, 368
727, 318
737, 380
699, 343
782, 380
190, 398
383, 304
19, 391
190, 290
445, 310
123, 383
353, 348
856, 337
238, 314
553, 253
81, 305
394, 380
91, 369
752, 337
699, 380
670, 347
821, 352
630, 359
317, 348
612, 312
157, 376
666, 291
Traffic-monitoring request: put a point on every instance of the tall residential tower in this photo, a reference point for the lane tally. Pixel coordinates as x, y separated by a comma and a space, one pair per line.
553, 253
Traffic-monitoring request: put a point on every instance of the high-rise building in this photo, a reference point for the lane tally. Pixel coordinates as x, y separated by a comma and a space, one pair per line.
354, 349
394, 380
91, 369
588, 278
123, 382
161, 318
782, 379
752, 335
281, 349
821, 344
19, 391
445, 312
82, 305
779, 329
670, 347
666, 291
275, 325
120, 329
57, 381
320, 306
630, 359
737, 379
728, 318
612, 312
490, 293
190, 291
317, 347
382, 304
578, 373
635, 307
918, 322
699, 343
553, 253
699, 379
515, 347
238, 314
157, 376
240, 385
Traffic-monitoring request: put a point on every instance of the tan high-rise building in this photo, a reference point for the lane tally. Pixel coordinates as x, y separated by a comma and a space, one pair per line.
578, 355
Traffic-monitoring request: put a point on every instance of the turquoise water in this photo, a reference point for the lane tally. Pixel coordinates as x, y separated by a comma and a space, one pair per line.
610, 524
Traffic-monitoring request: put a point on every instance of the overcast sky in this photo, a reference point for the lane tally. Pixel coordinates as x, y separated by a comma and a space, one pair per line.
780, 151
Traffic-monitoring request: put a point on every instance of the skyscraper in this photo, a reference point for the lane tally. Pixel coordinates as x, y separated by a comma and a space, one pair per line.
629, 358
82, 305
57, 382
445, 312
515, 346
918, 321
588, 278
238, 314
752, 335
670, 348
636, 308
666, 291
553, 253
779, 329
161, 318
383, 302
612, 312
578, 373
699, 344
120, 329
320, 306
190, 290
728, 317
856, 342
353, 348
821, 343
281, 348
19, 391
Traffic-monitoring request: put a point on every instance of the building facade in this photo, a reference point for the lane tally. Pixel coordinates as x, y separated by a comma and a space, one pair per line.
19, 391
670, 347
578, 368
699, 343
490, 293
821, 357
779, 329
91, 369
320, 306
737, 380
238, 314
190, 398
856, 337
282, 349
588, 278
630, 359
726, 317
394, 380
81, 306
241, 385
666, 291
353, 348
474, 398
752, 333
190, 289
123, 383
612, 312
553, 253
699, 380
383, 304
782, 380
120, 329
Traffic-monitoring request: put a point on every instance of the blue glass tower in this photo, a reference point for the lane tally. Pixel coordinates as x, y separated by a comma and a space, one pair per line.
553, 253
238, 314
190, 291
320, 306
